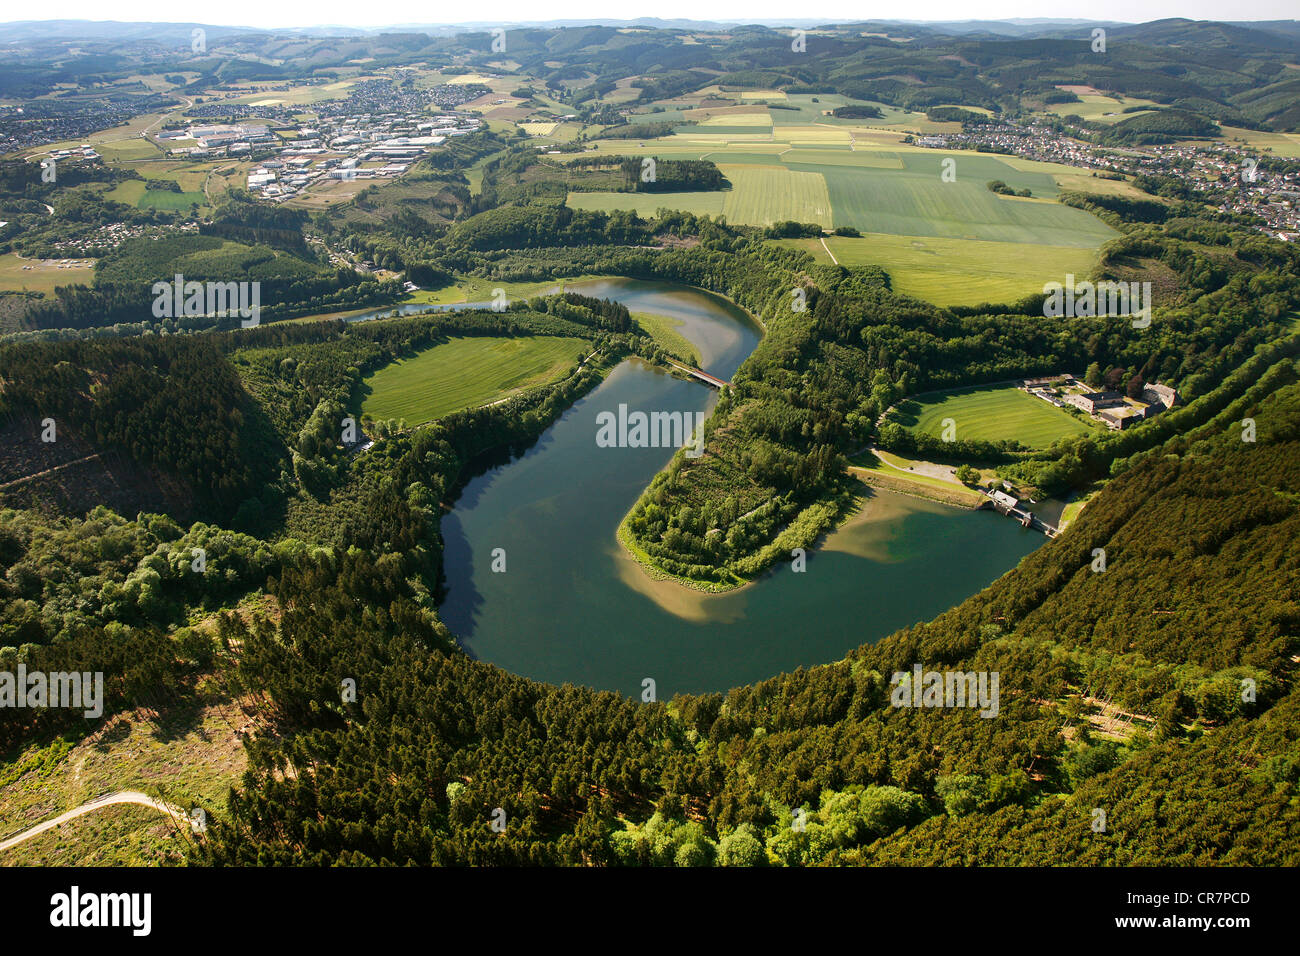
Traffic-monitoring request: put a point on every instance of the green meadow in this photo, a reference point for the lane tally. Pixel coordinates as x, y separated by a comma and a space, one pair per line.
467, 372
990, 413
955, 271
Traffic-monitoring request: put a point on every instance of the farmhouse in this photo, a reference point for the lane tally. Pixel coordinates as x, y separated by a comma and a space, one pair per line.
1160, 394
1121, 417
1031, 383
1092, 402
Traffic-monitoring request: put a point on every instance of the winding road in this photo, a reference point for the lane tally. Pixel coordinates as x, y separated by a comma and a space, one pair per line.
107, 800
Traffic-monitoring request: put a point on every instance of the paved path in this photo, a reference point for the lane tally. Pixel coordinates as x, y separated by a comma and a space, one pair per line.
109, 799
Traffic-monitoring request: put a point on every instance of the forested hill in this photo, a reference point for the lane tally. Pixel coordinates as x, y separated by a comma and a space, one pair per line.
1121, 691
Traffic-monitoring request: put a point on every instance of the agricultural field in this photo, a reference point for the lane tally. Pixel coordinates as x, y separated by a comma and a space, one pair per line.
760, 196
741, 120
295, 96
955, 271
1099, 108
1282, 145
467, 372
916, 201
872, 186
990, 413
646, 205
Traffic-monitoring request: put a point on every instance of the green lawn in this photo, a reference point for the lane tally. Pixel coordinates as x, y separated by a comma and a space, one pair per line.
466, 373
990, 413
172, 202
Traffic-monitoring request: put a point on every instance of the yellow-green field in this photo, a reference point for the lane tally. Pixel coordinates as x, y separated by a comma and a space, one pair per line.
466, 373
956, 271
42, 275
738, 119
1099, 108
295, 96
1284, 145
760, 196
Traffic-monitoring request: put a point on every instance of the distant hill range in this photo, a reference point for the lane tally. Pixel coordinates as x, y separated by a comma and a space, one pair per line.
1238, 74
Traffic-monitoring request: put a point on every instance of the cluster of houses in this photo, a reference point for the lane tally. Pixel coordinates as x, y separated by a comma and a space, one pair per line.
1211, 167
1113, 409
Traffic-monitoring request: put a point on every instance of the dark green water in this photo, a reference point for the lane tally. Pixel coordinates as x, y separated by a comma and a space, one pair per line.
571, 606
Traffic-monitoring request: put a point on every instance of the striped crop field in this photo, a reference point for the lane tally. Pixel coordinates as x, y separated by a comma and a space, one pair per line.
896, 190
761, 195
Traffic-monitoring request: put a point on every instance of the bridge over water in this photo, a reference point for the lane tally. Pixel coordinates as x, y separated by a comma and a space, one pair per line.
704, 377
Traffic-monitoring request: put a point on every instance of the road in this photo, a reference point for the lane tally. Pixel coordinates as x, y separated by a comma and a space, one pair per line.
108, 800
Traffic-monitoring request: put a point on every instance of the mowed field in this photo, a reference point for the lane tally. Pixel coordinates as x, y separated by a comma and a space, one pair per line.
990, 413
133, 192
955, 271
466, 373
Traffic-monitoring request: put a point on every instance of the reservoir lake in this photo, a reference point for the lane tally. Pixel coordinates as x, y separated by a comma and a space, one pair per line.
572, 606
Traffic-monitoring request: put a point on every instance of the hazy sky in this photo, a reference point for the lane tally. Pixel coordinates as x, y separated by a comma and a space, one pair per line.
291, 13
